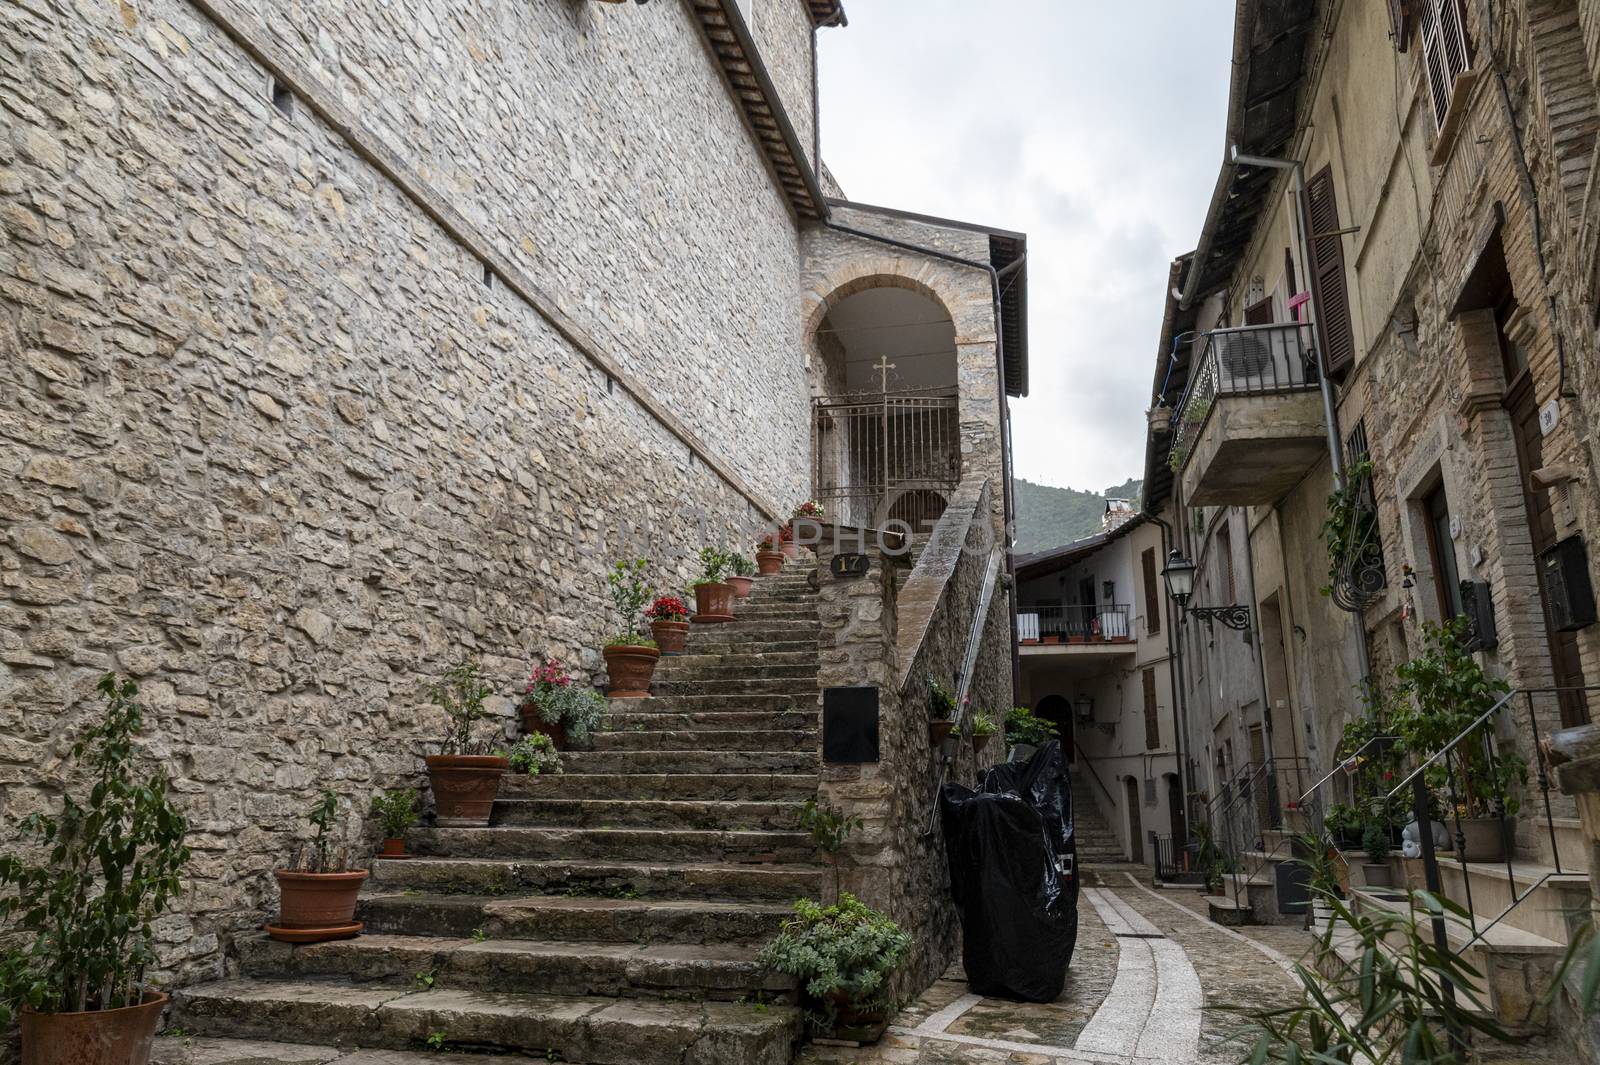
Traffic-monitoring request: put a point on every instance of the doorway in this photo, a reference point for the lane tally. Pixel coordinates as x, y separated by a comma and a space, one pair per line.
1135, 829
1057, 711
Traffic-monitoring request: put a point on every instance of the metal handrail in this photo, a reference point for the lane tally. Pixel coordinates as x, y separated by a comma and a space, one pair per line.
1340, 768
1296, 372
969, 659
1089, 763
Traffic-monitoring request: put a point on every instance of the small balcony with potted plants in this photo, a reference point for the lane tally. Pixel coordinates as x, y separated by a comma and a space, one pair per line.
1053, 630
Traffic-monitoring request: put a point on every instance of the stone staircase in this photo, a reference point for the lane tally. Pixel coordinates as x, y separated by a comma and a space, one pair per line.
610, 915
1097, 843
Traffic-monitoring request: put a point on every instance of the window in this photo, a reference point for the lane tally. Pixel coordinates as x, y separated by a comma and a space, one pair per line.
1152, 591
1445, 53
1152, 713
1260, 312
1225, 564
1363, 574
1334, 330
1441, 545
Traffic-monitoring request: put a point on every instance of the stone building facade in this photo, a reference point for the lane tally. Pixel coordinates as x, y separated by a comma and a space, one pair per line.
1445, 233
339, 341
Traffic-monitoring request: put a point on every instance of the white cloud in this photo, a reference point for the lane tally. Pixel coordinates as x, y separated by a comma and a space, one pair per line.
1094, 128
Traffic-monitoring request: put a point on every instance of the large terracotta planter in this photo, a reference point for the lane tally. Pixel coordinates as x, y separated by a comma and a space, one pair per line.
713, 603
630, 668
669, 636
741, 586
855, 1025
790, 549
1483, 839
394, 847
314, 907
532, 722
95, 1037
464, 786
769, 563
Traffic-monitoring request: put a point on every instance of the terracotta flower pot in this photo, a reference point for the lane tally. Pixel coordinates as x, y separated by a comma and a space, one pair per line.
313, 907
464, 786
855, 1024
790, 549
741, 586
95, 1037
938, 730
394, 847
713, 603
669, 636
630, 668
532, 722
1482, 839
768, 562
979, 743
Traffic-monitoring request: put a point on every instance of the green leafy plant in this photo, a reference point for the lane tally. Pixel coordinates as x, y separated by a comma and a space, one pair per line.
110, 867
396, 811
1023, 727
1351, 527
843, 952
629, 593
437, 1040
984, 724
830, 830
460, 695
479, 935
1375, 840
320, 855
533, 754
1342, 821
425, 979
1391, 1005
714, 566
556, 697
741, 565
941, 704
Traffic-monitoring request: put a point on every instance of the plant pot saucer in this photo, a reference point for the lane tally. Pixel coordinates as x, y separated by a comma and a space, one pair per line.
390, 857
711, 619
314, 935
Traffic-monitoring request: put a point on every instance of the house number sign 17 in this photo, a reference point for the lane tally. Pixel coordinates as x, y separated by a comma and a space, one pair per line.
847, 566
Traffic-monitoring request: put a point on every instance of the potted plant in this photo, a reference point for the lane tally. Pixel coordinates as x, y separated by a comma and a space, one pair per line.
769, 559
669, 623
983, 726
941, 712
830, 830
555, 705
317, 892
630, 656
741, 574
713, 596
1023, 729
843, 955
465, 774
1343, 824
1375, 841
72, 972
811, 511
533, 754
396, 811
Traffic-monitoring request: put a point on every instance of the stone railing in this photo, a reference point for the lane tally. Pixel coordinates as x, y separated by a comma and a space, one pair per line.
892, 634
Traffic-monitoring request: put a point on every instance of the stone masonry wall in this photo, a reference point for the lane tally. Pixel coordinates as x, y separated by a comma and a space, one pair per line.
922, 619
273, 446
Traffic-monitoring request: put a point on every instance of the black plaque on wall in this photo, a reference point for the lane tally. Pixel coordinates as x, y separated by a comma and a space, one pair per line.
850, 725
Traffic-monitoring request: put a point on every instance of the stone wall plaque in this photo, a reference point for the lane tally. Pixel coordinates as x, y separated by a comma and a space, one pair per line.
850, 725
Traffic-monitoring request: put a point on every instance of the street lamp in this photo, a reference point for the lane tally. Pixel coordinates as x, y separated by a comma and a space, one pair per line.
1180, 586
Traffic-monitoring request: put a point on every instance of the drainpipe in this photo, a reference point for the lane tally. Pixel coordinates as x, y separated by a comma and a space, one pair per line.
1180, 713
1330, 409
995, 277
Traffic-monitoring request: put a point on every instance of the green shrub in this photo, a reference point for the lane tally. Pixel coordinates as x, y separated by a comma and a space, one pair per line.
533, 754
460, 695
848, 949
396, 811
1023, 727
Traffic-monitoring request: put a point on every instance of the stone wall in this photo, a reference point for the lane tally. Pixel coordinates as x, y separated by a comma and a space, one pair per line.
893, 633
277, 446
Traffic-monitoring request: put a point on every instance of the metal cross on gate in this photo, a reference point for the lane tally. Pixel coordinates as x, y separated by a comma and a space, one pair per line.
883, 366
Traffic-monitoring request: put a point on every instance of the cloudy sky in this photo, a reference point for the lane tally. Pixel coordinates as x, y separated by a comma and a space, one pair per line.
1095, 128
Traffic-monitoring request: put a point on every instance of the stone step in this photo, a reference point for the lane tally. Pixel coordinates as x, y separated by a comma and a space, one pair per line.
647, 813
592, 1030
722, 703
714, 720
776, 612
712, 784
756, 632
524, 966
796, 688
693, 762
703, 740
599, 878
710, 667
708, 643
564, 918
750, 659
656, 844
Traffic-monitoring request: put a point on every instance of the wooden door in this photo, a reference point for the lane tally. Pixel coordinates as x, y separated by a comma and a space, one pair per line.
1565, 663
1135, 822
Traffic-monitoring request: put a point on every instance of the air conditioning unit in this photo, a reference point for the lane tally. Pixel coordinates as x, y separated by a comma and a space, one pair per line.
1244, 361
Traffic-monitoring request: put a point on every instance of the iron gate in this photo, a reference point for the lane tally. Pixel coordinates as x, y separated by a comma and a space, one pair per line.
886, 456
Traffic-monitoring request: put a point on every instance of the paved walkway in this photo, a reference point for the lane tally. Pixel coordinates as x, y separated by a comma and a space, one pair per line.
1152, 981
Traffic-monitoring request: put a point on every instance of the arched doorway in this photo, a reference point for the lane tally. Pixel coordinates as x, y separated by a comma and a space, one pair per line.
1058, 711
886, 422
1135, 822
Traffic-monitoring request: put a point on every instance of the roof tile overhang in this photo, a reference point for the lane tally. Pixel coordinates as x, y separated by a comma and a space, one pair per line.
1041, 563
747, 77
1273, 42
827, 13
1171, 378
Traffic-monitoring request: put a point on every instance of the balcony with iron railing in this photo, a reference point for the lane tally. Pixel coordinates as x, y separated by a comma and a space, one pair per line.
1046, 627
1250, 425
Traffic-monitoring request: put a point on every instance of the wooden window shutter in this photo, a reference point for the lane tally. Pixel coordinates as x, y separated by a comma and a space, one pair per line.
1445, 54
1152, 713
1400, 22
1334, 328
1152, 592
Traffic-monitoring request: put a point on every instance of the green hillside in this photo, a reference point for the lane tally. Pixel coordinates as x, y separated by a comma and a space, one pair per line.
1050, 517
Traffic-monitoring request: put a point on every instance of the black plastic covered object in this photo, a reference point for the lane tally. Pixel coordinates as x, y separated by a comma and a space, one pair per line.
1013, 873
